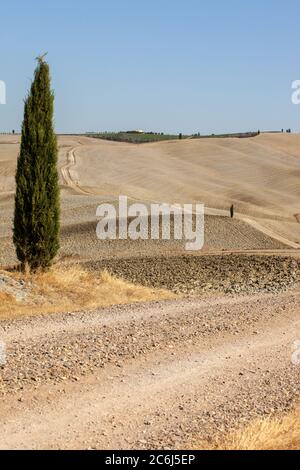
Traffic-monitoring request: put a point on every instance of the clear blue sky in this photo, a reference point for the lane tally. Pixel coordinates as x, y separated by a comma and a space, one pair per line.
177, 66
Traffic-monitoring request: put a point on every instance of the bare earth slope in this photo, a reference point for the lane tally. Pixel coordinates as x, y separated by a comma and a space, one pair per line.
258, 175
161, 374
146, 376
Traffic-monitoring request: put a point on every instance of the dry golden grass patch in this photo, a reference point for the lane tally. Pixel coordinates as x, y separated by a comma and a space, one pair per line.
72, 289
7, 299
268, 434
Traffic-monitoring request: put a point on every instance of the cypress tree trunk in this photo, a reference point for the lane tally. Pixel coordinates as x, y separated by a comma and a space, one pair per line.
36, 219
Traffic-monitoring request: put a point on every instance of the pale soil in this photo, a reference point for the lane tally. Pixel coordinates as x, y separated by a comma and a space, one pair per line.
147, 376
161, 374
79, 241
194, 275
259, 176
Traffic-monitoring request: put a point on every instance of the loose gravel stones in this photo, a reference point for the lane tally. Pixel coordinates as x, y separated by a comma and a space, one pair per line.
192, 275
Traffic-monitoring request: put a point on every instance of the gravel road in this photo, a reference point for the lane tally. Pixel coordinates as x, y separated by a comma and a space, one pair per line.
158, 375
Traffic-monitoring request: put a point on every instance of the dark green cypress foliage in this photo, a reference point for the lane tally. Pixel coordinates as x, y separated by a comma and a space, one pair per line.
36, 219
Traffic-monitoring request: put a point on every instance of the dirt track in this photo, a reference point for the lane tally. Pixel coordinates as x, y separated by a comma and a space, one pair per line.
66, 171
162, 374
156, 375
87, 165
259, 176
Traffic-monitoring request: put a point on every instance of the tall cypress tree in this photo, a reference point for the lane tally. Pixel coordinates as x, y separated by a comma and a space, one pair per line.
36, 219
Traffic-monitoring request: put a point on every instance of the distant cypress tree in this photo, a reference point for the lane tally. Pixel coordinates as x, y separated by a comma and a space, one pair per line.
36, 218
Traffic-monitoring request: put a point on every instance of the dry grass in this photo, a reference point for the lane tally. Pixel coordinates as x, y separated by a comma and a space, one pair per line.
7, 299
269, 434
72, 289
